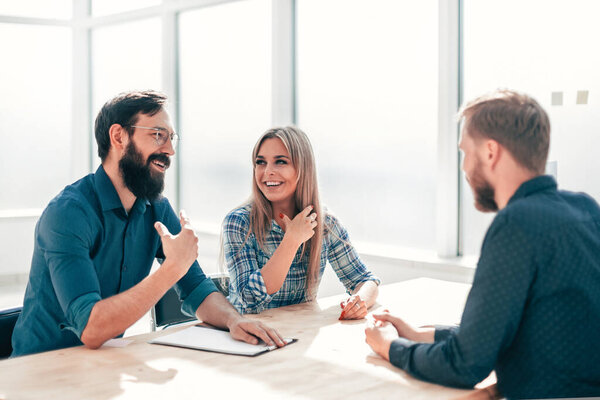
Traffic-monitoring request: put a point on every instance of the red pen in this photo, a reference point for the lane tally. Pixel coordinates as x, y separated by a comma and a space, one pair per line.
342, 304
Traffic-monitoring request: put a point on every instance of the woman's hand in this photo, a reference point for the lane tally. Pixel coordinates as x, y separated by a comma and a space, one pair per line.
302, 227
353, 308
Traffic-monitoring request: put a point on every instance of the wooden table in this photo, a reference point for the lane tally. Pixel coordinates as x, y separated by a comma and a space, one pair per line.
330, 361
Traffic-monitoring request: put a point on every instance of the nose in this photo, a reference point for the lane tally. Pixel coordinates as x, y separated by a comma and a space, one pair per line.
269, 170
168, 148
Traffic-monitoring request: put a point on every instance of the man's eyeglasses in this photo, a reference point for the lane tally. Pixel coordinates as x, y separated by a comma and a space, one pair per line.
161, 135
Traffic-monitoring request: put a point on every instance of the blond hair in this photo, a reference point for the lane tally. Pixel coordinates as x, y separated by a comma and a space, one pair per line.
307, 193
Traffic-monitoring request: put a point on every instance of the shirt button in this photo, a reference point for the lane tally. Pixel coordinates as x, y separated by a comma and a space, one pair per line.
124, 268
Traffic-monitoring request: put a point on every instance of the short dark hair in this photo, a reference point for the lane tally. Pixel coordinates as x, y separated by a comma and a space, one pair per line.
123, 110
516, 121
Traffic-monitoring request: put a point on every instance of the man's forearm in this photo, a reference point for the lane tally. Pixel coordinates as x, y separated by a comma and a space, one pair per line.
216, 310
112, 316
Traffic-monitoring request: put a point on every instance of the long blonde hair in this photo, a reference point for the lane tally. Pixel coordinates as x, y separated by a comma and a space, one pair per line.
307, 193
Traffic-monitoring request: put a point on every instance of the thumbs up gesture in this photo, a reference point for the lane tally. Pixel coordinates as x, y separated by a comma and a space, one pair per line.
302, 227
182, 249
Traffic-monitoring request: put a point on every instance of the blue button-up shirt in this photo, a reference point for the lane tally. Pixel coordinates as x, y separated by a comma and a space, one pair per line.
533, 313
88, 248
245, 259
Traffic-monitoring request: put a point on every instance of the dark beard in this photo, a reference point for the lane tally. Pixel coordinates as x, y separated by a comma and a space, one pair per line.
484, 198
483, 192
138, 177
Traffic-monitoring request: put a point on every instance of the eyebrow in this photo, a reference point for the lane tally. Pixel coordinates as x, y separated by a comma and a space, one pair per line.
276, 157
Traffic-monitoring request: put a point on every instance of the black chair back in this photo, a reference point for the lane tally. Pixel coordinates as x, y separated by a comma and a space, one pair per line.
168, 309
8, 319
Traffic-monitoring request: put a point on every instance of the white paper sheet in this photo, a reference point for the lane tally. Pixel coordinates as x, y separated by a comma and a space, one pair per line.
117, 342
208, 339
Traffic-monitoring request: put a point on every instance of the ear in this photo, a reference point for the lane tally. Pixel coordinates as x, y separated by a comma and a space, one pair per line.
119, 138
493, 152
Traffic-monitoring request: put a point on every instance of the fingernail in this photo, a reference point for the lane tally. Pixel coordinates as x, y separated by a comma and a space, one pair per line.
281, 215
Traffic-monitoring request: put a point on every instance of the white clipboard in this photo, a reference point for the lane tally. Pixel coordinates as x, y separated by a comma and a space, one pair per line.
200, 337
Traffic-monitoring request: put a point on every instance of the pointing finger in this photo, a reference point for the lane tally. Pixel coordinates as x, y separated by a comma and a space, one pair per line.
307, 211
183, 218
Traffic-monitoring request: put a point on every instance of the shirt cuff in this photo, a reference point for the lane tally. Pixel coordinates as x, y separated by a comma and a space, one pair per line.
443, 332
400, 351
78, 312
366, 278
193, 300
258, 289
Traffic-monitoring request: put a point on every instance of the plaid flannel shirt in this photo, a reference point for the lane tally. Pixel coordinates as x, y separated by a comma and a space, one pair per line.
245, 258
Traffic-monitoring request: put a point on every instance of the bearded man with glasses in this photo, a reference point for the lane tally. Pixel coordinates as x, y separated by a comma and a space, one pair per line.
96, 241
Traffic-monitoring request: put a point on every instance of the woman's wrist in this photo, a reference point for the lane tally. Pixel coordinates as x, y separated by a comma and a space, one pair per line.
290, 242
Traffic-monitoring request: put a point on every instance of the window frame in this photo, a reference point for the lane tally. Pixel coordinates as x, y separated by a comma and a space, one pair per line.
284, 95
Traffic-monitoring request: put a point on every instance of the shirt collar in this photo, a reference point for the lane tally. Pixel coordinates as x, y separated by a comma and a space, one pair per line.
140, 205
275, 227
109, 198
538, 184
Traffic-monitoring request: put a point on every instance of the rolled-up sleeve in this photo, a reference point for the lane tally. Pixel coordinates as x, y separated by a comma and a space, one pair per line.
248, 292
344, 259
79, 312
66, 248
192, 301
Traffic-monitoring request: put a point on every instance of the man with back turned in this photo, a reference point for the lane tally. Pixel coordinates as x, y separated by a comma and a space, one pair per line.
533, 312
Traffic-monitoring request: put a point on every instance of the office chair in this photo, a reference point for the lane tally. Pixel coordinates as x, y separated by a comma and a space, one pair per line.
8, 319
167, 311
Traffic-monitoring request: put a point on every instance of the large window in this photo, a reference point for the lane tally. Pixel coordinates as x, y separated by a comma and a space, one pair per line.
105, 7
34, 114
60, 9
361, 77
542, 48
35, 127
225, 89
125, 57
367, 97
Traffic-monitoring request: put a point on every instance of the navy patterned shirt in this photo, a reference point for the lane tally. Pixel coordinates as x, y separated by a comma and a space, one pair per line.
88, 248
245, 258
533, 312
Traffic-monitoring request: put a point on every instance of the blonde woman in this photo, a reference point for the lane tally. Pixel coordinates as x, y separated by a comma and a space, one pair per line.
276, 246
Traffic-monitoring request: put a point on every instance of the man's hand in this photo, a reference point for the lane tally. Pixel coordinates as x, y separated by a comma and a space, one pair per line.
353, 308
248, 331
380, 335
180, 250
424, 335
